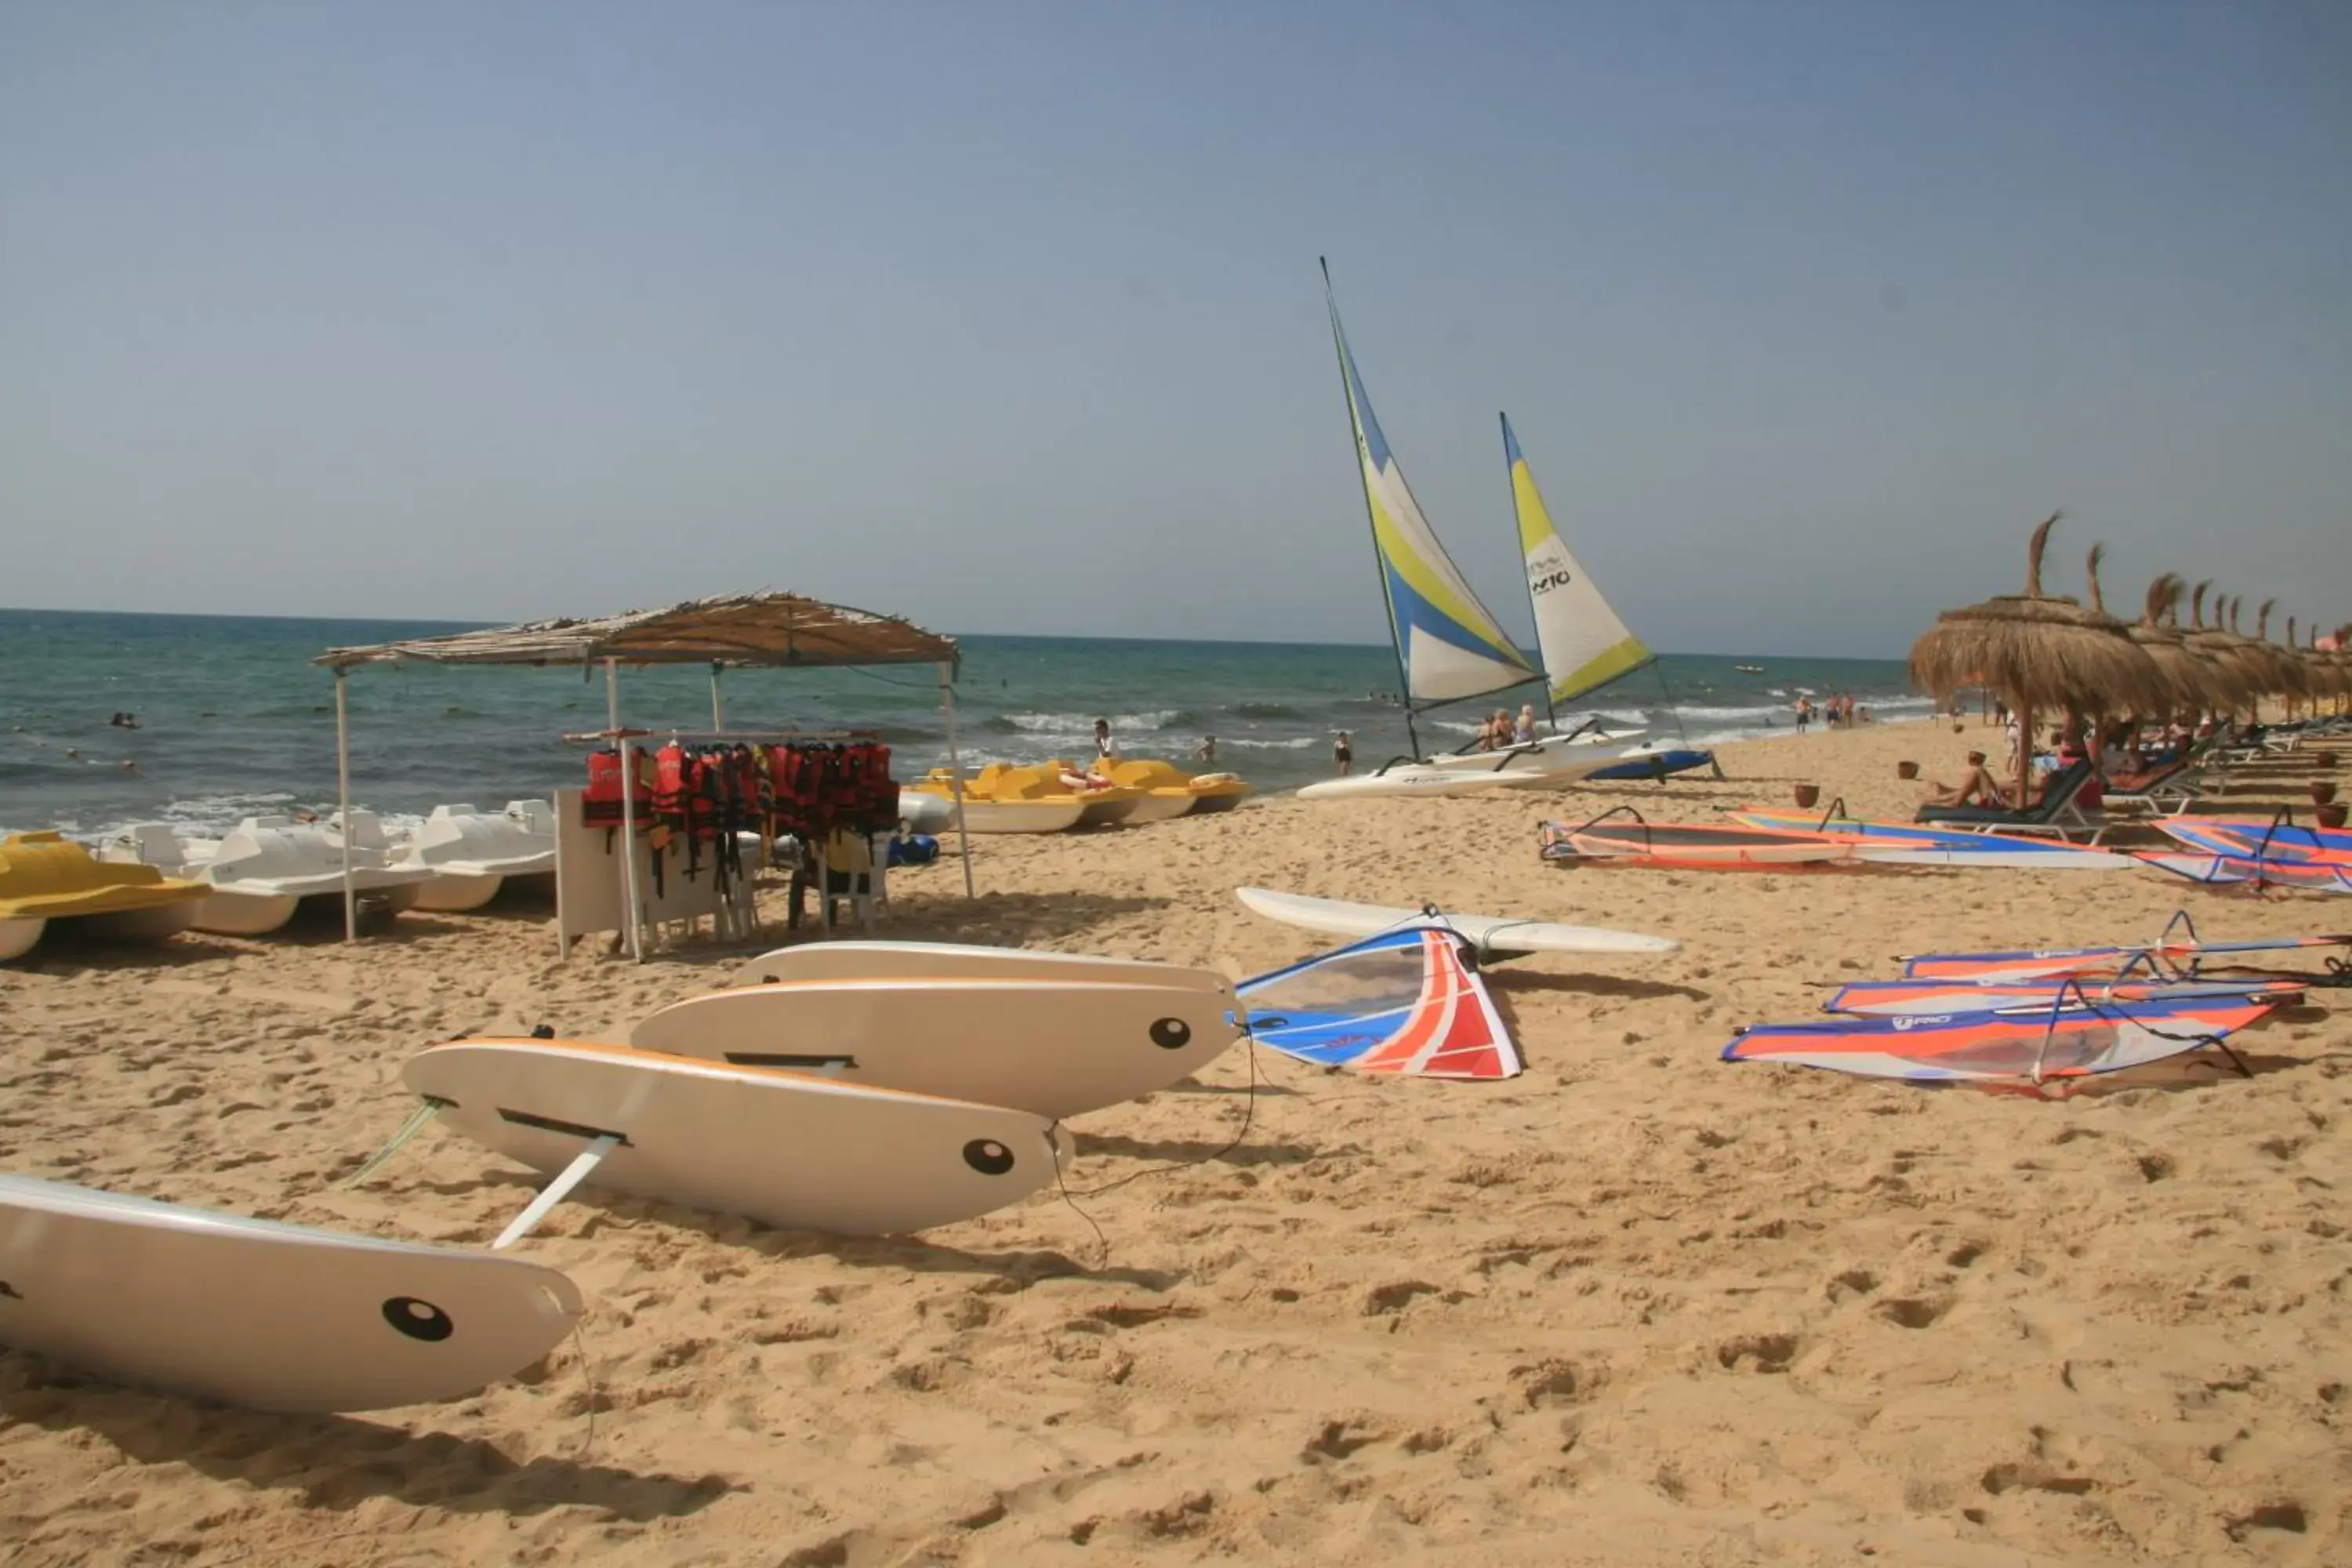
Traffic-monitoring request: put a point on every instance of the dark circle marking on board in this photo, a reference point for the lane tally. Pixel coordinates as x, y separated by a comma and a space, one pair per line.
987, 1156
418, 1319
1171, 1034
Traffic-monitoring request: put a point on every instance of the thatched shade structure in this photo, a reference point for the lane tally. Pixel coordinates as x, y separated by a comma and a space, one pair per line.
2287, 678
2257, 655
780, 629
732, 631
2232, 682
2097, 615
2037, 651
2190, 677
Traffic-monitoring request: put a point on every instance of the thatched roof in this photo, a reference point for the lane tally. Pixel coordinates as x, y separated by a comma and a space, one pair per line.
2037, 650
2191, 675
740, 629
2233, 682
2286, 670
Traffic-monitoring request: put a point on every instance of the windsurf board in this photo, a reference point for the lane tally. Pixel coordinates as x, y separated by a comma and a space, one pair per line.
253, 1312
1052, 1047
786, 1148
1488, 933
961, 960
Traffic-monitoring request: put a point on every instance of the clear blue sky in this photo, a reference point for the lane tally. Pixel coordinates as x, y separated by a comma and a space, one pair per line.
1006, 317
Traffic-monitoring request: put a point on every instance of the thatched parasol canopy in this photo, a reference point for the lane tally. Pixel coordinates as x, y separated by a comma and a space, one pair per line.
2287, 678
2234, 683
2039, 651
2259, 657
771, 628
2192, 677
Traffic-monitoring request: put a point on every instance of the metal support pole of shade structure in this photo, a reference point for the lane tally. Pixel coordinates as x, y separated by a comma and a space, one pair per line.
632, 914
717, 706
344, 799
955, 776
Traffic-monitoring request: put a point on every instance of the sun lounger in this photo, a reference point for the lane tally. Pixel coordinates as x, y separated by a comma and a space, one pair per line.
2059, 813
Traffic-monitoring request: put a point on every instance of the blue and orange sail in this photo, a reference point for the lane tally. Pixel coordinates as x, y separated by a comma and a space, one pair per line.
1402, 1003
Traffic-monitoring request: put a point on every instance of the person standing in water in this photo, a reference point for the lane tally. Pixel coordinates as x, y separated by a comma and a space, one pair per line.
1104, 745
1525, 734
1343, 756
1207, 752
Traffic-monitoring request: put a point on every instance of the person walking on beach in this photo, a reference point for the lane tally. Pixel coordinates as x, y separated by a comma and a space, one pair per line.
1343, 756
1804, 710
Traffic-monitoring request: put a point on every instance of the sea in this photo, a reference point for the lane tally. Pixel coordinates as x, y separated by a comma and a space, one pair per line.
234, 720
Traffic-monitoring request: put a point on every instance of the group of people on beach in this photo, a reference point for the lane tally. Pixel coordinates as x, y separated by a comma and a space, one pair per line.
1500, 732
1837, 710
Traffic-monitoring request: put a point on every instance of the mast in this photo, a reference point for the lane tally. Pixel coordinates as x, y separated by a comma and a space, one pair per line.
1552, 712
1380, 563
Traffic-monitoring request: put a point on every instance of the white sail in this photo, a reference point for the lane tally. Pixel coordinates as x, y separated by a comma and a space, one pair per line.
1583, 642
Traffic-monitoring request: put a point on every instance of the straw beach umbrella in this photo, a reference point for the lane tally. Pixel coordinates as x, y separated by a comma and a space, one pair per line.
2036, 651
2232, 683
2097, 615
2189, 675
2287, 672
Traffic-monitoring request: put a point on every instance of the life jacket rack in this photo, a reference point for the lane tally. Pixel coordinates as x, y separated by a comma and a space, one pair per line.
702, 789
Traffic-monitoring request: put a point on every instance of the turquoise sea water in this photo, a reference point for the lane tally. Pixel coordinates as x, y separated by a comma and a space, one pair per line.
234, 720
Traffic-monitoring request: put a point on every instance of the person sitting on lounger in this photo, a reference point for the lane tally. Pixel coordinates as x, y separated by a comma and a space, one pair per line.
1979, 788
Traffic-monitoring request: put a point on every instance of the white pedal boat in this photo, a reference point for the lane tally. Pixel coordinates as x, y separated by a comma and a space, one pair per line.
260, 873
473, 854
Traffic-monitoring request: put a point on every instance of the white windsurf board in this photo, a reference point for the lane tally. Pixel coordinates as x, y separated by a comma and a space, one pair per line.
961, 960
253, 1312
1052, 1047
1491, 933
786, 1148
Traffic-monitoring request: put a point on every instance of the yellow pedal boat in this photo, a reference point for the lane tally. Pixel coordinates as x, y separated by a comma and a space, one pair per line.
47, 877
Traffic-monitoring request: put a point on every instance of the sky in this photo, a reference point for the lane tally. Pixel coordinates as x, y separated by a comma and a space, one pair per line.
1006, 317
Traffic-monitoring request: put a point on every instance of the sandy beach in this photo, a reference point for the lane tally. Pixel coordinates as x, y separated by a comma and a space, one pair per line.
1637, 1306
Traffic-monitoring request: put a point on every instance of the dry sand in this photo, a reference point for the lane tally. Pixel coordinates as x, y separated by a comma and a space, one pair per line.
1635, 1307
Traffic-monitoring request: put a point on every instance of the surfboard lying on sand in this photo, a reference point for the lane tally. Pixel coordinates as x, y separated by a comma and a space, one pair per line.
273, 1317
1052, 1047
960, 961
1488, 933
786, 1148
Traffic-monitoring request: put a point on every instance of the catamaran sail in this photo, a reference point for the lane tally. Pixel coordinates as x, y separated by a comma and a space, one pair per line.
1584, 643
1449, 645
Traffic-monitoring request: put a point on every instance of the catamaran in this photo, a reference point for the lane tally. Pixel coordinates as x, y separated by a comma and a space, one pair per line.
1450, 648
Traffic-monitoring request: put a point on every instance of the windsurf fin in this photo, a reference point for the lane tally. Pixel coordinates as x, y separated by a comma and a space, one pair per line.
417, 1121
556, 1191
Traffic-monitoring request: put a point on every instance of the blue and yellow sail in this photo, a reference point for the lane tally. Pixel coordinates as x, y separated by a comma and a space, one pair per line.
1449, 645
1583, 643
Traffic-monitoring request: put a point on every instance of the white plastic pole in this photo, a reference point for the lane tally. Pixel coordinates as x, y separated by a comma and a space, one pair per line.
955, 776
718, 707
343, 801
628, 810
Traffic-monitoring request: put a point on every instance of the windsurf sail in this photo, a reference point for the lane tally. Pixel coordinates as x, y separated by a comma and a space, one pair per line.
2249, 869
2164, 958
2030, 1045
2273, 840
1583, 642
1449, 645
1403, 1002
1887, 998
